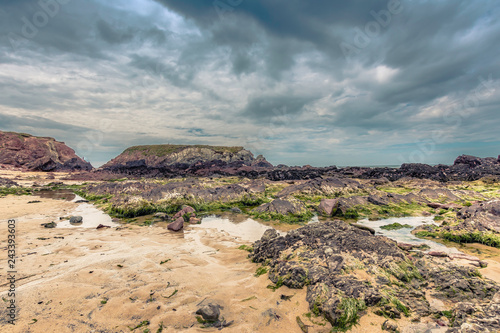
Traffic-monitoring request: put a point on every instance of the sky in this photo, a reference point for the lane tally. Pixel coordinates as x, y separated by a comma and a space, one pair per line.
298, 81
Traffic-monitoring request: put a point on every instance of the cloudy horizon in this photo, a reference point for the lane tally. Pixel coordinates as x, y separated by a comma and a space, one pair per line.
300, 82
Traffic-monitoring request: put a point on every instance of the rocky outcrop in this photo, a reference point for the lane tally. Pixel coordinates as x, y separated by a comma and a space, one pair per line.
482, 216
465, 168
24, 151
282, 207
346, 270
7, 183
186, 160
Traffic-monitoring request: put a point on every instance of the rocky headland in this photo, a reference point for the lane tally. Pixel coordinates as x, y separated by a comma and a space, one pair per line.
27, 152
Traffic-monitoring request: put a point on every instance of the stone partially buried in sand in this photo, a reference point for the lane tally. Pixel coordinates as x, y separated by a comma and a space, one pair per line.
177, 225
76, 220
210, 311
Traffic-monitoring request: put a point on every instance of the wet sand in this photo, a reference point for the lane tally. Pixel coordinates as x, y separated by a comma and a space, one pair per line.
107, 280
110, 280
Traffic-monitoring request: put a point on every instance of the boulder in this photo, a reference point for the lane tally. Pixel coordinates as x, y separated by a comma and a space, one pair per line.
210, 312
326, 206
76, 220
282, 206
183, 211
177, 225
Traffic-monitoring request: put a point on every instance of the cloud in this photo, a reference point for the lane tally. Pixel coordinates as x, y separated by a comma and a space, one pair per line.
273, 75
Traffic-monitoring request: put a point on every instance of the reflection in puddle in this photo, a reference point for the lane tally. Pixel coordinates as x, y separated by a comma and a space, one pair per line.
246, 229
92, 216
404, 235
62, 194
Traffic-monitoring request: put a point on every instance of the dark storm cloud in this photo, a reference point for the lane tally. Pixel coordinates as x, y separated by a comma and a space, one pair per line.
279, 108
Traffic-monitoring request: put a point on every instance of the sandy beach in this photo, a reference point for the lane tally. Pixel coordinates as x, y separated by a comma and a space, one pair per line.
110, 280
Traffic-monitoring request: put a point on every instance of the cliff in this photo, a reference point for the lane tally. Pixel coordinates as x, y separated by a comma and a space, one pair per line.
178, 160
28, 152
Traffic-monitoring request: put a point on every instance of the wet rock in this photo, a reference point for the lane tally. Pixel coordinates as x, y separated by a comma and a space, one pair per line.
210, 312
183, 211
390, 326
161, 216
438, 254
236, 210
364, 227
283, 207
76, 220
177, 225
326, 258
194, 220
326, 206
406, 246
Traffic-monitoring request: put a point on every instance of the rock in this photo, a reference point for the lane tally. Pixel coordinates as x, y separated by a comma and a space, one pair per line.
81, 201
76, 220
283, 207
177, 225
194, 220
236, 210
7, 182
49, 225
390, 326
364, 227
485, 216
406, 246
326, 206
210, 312
161, 216
101, 226
437, 254
183, 211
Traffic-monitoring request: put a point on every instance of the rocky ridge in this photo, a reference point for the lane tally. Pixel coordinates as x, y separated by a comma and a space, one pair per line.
182, 160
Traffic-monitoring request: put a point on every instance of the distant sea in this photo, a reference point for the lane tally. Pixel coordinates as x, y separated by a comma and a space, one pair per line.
371, 166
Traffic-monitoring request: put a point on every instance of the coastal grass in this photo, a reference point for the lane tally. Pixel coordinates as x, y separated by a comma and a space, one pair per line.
396, 226
486, 238
350, 308
404, 271
167, 149
4, 191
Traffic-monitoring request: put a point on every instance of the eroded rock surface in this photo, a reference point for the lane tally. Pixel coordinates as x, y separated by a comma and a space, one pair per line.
346, 268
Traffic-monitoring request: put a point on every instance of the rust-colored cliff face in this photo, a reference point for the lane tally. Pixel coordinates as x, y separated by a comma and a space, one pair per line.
20, 150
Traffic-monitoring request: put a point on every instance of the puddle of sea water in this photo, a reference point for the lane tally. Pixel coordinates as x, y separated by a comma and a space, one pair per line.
404, 235
91, 215
62, 194
247, 230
